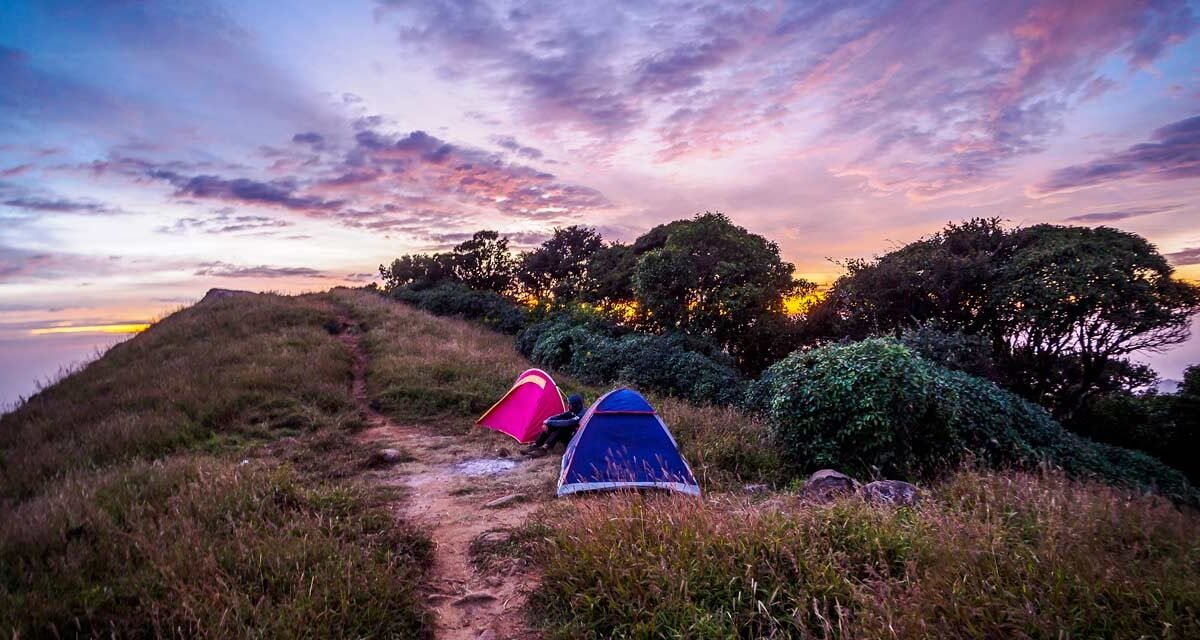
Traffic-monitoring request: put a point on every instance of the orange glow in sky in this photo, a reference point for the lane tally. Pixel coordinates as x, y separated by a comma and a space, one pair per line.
94, 328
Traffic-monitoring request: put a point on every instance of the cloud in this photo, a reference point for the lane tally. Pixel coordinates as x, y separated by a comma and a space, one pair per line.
510, 143
1191, 255
224, 222
19, 264
281, 193
56, 205
1122, 214
227, 270
937, 99
1172, 154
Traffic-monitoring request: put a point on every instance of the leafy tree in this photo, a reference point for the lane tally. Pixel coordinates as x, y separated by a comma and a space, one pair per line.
559, 268
712, 278
418, 271
1059, 306
485, 263
1093, 295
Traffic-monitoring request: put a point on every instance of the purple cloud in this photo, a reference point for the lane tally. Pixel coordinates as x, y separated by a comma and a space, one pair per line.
226, 270
1122, 214
1174, 154
225, 222
1191, 255
281, 193
939, 98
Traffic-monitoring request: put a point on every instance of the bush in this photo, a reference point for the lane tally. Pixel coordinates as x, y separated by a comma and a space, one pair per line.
488, 307
662, 363
876, 408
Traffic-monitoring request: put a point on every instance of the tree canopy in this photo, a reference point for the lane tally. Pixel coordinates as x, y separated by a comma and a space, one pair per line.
1060, 306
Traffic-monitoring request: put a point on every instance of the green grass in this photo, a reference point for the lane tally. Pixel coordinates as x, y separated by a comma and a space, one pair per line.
987, 555
200, 480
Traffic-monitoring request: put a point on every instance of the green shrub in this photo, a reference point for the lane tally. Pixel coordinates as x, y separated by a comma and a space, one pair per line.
876, 408
490, 308
667, 364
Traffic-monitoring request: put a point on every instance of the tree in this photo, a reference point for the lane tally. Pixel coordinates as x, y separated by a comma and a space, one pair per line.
713, 279
610, 274
418, 271
1090, 295
558, 269
484, 262
1060, 306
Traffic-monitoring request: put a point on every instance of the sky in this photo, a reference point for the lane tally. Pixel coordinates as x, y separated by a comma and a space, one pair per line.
152, 150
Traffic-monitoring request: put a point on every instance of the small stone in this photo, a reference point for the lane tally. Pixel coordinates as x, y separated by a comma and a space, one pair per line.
385, 457
894, 492
474, 597
494, 537
756, 488
486, 634
827, 485
503, 501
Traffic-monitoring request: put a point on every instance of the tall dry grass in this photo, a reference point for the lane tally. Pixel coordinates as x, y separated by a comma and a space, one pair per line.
993, 555
224, 371
126, 509
206, 548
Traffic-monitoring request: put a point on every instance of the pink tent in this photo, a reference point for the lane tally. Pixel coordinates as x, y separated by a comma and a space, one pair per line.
532, 398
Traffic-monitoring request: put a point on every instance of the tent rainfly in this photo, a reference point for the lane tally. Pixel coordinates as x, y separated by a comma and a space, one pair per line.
520, 413
622, 443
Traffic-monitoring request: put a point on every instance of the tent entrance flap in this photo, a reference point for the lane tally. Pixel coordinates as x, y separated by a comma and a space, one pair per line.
520, 412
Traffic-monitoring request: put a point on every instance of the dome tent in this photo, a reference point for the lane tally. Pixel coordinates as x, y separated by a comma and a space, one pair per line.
623, 443
532, 398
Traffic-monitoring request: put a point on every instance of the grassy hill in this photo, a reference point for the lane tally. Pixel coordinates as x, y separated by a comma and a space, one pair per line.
203, 479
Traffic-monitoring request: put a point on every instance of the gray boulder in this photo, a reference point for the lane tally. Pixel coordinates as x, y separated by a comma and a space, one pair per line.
893, 492
827, 484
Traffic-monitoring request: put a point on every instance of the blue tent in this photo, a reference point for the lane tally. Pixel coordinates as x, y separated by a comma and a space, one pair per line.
622, 443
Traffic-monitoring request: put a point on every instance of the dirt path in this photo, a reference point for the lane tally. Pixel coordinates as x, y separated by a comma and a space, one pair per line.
450, 483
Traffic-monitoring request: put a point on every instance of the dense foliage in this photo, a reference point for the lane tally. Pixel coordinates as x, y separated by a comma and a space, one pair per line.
1166, 426
667, 364
876, 408
454, 299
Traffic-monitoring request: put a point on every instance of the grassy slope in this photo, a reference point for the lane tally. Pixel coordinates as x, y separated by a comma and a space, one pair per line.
125, 508
95, 537
987, 555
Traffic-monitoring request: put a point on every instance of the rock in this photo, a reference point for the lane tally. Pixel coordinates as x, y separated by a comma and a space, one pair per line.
486, 634
385, 457
494, 537
474, 597
756, 488
503, 501
893, 492
827, 484
219, 294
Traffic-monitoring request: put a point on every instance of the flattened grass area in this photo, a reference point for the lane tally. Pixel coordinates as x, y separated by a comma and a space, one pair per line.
987, 555
198, 481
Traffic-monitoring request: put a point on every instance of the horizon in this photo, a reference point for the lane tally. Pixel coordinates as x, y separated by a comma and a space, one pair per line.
149, 153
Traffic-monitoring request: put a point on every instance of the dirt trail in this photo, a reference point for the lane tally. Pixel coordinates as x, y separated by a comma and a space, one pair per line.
449, 482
